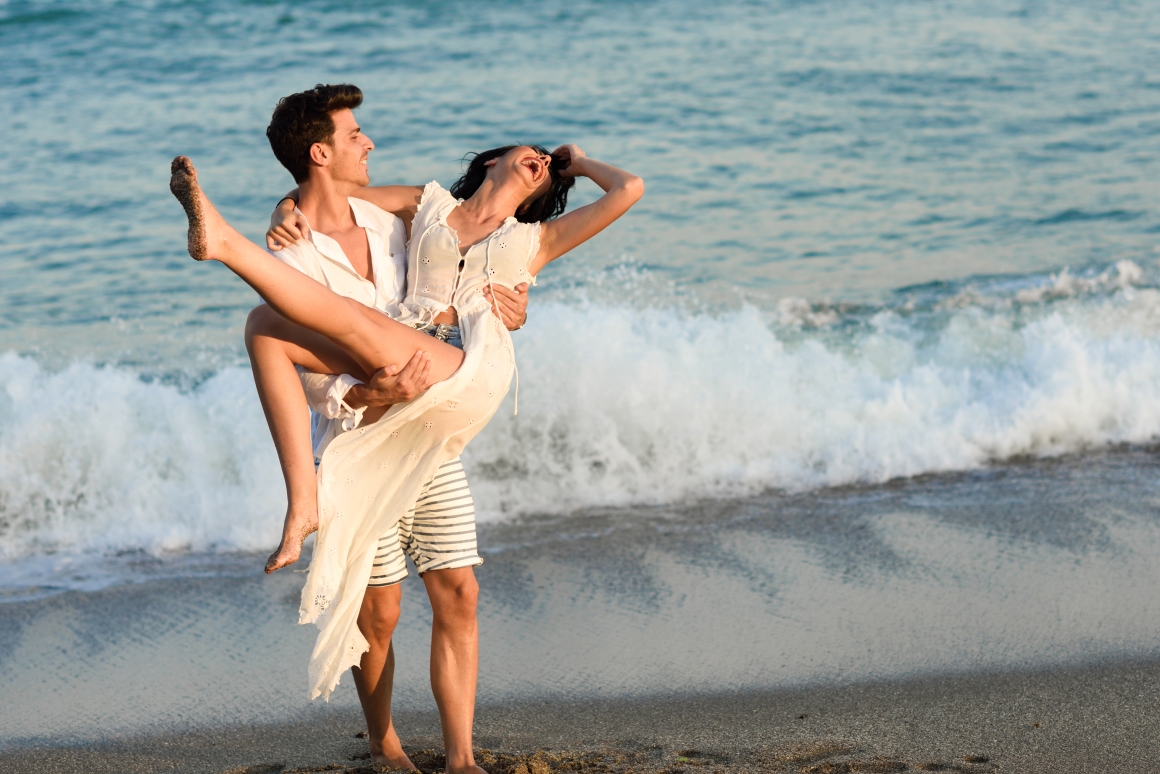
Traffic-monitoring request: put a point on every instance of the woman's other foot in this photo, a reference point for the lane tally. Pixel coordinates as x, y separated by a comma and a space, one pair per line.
297, 528
208, 231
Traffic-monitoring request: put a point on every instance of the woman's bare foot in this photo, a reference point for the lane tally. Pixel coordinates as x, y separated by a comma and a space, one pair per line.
183, 185
208, 231
297, 528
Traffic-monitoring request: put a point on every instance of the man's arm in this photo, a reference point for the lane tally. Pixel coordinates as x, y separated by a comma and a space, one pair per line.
391, 385
343, 397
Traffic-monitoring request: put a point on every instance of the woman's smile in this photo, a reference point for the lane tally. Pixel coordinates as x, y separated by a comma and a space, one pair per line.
537, 166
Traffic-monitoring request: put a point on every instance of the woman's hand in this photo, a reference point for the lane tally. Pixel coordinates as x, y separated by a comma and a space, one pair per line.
621, 191
569, 155
286, 228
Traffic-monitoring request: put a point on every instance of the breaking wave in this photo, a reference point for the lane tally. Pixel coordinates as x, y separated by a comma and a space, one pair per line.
621, 405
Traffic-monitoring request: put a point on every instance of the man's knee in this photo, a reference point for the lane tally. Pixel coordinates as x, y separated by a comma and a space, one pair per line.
380, 613
454, 593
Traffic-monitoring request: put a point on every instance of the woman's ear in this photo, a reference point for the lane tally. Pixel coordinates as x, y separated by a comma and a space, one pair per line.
490, 163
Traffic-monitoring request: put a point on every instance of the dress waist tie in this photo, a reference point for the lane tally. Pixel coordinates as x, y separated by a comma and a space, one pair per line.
491, 287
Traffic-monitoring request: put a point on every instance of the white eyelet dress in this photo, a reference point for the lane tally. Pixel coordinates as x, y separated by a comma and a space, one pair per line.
368, 478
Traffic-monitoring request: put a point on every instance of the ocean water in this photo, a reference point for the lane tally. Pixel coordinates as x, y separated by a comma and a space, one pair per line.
880, 240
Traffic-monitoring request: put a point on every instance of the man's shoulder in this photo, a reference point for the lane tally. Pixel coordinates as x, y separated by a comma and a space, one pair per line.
370, 213
302, 255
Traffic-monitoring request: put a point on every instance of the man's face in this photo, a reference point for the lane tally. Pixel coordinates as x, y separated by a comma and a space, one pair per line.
348, 157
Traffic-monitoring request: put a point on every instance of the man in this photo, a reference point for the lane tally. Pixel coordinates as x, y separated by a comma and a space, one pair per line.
359, 251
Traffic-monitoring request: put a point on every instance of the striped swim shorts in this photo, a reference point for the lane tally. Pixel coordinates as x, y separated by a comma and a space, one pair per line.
438, 533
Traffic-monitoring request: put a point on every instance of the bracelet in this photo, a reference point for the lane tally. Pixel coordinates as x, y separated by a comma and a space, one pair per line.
284, 198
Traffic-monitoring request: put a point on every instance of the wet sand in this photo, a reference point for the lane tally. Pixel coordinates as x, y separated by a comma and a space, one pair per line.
917, 623
1097, 719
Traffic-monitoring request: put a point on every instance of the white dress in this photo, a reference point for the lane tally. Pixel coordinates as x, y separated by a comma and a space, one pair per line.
356, 505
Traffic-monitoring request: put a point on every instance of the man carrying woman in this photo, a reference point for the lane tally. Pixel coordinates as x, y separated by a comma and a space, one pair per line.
341, 313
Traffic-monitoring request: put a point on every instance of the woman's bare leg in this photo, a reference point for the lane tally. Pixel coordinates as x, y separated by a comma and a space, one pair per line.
374, 340
275, 346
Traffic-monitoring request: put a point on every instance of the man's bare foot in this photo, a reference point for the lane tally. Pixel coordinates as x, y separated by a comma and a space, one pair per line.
388, 755
297, 528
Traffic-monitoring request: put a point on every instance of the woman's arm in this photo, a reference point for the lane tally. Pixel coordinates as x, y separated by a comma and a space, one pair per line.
401, 200
622, 190
287, 229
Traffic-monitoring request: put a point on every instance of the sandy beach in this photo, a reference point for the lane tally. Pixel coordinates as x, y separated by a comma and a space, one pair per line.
1097, 719
625, 640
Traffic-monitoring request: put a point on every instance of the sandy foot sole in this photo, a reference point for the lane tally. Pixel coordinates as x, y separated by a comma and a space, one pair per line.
183, 184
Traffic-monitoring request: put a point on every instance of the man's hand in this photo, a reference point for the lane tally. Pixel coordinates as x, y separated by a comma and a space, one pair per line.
510, 306
285, 226
389, 385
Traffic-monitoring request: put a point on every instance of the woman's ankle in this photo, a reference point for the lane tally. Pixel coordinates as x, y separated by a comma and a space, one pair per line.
298, 511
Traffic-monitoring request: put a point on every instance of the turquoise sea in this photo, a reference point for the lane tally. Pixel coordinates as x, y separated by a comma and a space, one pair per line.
910, 244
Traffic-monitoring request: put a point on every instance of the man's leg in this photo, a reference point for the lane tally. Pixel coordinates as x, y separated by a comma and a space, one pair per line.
455, 660
439, 534
375, 675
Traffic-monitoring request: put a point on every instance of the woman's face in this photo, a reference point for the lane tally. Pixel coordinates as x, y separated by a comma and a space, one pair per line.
527, 165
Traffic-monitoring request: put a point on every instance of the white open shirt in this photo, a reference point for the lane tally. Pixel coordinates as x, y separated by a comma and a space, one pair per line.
320, 257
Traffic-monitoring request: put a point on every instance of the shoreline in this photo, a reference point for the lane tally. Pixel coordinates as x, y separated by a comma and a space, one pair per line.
1091, 719
1023, 597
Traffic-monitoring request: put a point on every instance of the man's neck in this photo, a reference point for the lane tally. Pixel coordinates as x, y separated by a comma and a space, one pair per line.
324, 203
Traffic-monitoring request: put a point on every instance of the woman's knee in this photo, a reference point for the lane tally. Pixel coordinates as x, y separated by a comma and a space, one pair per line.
261, 321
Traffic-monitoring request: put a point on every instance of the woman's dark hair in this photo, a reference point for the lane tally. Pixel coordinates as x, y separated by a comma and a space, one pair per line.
550, 205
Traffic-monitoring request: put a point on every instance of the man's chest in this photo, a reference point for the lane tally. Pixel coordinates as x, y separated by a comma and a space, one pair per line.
355, 246
364, 263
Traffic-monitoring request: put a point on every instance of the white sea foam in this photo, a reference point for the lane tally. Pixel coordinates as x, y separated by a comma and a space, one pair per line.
96, 458
617, 406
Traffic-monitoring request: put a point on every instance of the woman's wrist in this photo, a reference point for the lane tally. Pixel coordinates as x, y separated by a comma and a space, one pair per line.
580, 167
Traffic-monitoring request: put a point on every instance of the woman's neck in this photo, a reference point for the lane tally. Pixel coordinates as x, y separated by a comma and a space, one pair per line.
492, 203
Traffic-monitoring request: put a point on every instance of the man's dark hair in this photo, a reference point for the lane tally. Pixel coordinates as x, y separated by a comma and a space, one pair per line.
303, 119
550, 204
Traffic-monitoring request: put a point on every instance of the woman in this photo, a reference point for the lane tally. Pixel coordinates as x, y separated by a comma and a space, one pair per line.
457, 248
